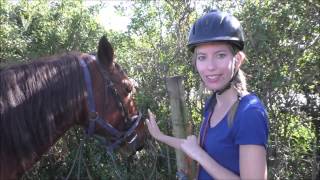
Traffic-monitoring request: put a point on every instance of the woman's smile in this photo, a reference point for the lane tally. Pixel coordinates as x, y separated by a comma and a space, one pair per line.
213, 78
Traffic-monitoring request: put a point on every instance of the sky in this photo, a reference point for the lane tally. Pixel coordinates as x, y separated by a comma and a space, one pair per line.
107, 16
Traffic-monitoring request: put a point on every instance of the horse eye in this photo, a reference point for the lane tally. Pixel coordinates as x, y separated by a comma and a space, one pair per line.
128, 89
127, 86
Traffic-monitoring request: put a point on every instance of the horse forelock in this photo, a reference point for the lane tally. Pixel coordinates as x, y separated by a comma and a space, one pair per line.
37, 100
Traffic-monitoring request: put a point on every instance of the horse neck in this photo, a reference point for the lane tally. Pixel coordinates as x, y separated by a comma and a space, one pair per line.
40, 102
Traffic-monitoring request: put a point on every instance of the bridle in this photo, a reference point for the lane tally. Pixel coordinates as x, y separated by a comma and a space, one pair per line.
116, 137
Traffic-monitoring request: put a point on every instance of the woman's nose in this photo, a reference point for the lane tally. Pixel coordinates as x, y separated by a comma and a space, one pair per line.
211, 65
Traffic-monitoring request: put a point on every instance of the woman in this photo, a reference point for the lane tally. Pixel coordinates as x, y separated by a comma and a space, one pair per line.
233, 136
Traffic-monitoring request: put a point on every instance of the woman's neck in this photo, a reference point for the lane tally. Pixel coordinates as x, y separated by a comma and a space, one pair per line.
227, 98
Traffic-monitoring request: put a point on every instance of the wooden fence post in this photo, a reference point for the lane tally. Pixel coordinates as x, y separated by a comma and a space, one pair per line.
178, 115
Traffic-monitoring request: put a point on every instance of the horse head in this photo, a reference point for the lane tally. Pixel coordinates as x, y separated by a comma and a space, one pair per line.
116, 121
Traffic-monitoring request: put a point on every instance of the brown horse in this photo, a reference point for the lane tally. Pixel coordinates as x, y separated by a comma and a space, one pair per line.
41, 100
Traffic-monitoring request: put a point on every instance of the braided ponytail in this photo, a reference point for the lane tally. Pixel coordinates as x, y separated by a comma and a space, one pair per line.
240, 84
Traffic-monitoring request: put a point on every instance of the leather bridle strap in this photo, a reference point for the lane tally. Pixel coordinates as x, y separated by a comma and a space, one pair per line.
93, 115
118, 141
87, 79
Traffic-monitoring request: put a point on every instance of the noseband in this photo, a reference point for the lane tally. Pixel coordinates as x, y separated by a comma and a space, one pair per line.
117, 137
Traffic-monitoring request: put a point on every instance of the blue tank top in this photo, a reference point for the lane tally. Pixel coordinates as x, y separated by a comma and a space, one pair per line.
250, 126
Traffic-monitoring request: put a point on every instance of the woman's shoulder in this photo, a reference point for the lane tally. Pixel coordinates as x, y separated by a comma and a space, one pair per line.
251, 113
251, 122
250, 101
251, 105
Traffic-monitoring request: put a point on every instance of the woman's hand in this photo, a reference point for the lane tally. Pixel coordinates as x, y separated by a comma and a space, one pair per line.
152, 126
191, 147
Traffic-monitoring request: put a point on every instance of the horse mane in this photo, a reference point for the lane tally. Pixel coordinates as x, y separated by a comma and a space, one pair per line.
34, 98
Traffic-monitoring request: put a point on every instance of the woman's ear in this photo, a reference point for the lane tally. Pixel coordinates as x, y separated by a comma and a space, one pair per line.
240, 57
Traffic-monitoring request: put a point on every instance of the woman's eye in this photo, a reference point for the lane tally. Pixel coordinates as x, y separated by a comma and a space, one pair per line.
221, 56
201, 58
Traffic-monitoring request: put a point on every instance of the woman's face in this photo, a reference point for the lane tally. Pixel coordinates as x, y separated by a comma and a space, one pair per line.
215, 64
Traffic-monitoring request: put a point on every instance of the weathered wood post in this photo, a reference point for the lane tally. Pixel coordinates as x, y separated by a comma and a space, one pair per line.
178, 115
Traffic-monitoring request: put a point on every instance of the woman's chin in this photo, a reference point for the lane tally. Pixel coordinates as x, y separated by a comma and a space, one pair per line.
212, 87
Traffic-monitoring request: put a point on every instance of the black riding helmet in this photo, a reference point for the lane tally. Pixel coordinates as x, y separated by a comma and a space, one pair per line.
216, 26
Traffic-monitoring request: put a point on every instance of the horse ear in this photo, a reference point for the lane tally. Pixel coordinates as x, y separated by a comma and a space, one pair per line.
105, 51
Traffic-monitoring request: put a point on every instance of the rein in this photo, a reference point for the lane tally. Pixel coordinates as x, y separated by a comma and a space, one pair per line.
117, 137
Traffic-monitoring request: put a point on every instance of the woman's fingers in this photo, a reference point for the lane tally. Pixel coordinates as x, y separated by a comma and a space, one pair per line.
153, 126
152, 118
151, 115
192, 138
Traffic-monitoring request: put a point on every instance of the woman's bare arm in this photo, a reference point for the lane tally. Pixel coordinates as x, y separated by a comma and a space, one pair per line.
253, 163
157, 134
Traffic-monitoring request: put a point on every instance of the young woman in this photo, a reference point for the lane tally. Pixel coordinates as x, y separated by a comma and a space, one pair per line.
233, 136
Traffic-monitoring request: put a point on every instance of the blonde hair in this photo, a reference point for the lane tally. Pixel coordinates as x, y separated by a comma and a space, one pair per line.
240, 84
